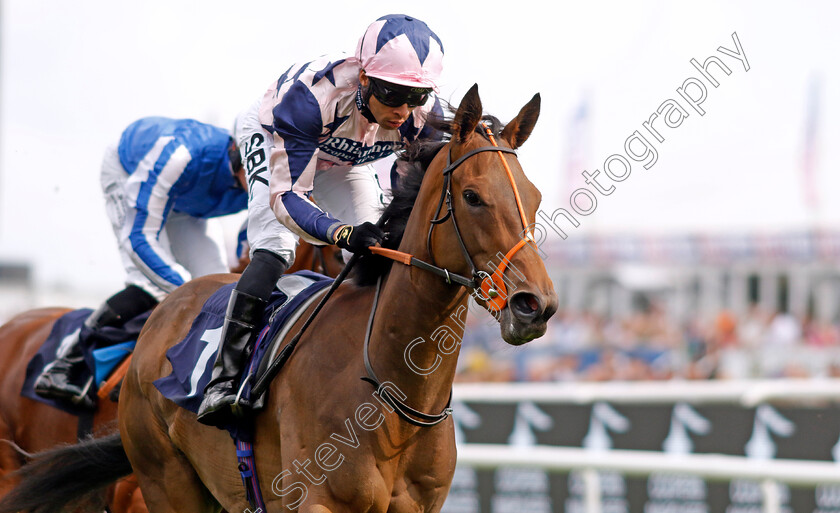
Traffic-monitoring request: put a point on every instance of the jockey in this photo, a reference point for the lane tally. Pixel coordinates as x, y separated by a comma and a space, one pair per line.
310, 139
161, 182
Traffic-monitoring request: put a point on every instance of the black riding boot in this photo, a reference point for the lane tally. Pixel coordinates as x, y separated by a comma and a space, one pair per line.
243, 317
57, 379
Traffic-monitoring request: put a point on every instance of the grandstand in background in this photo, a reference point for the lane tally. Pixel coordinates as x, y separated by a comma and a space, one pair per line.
710, 306
796, 272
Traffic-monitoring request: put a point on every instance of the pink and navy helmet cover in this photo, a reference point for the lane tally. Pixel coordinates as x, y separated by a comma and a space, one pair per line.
401, 50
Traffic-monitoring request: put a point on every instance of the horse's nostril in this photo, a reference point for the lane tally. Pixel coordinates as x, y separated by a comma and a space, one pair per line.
526, 305
532, 303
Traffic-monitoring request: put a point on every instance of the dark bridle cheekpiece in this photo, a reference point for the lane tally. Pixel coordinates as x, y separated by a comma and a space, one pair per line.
488, 287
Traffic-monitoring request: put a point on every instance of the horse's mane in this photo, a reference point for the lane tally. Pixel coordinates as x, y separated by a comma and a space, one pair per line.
413, 161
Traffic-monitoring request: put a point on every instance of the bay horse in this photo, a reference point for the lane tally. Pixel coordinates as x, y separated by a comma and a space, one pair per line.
327, 441
28, 426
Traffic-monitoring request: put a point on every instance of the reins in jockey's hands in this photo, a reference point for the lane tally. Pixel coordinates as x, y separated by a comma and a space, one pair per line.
357, 239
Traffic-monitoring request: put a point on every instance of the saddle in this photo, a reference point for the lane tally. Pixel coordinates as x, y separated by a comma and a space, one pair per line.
116, 344
192, 358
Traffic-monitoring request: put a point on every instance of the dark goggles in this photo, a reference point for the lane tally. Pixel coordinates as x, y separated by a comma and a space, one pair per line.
392, 95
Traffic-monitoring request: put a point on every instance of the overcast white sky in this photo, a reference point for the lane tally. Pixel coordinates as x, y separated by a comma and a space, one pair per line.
74, 74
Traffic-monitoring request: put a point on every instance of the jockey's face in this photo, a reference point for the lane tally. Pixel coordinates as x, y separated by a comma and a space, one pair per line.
387, 117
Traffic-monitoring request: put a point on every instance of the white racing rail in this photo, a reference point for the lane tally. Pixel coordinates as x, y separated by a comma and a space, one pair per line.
713, 467
746, 393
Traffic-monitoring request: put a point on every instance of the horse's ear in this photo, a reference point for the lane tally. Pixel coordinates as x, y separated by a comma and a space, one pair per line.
518, 130
467, 116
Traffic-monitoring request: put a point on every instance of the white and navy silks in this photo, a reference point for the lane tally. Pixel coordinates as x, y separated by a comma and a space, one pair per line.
162, 181
307, 147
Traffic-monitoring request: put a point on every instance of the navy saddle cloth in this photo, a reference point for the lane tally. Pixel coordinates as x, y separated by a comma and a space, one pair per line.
115, 344
192, 359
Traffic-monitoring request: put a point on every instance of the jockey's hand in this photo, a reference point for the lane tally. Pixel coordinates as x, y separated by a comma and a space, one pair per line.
357, 239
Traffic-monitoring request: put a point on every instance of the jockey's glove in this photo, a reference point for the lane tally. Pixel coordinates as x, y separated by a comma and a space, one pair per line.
357, 239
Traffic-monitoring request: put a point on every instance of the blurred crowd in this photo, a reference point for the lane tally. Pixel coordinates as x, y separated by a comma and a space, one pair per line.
650, 345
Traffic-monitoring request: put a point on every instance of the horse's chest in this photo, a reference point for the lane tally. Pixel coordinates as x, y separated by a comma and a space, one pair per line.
401, 485
414, 481
422, 480
413, 495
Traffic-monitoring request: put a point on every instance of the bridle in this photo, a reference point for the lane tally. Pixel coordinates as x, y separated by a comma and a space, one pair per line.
488, 287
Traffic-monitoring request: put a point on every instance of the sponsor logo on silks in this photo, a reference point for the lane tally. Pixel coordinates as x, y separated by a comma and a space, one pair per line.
343, 232
348, 150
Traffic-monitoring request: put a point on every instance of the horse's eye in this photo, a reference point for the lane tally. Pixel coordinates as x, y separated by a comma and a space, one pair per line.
472, 198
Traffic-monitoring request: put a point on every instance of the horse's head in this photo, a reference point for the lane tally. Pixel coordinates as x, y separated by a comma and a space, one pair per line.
490, 205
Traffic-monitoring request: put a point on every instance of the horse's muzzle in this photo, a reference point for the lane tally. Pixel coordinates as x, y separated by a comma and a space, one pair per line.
526, 316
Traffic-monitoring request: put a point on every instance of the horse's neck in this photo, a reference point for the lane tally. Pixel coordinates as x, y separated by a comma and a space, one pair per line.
416, 335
